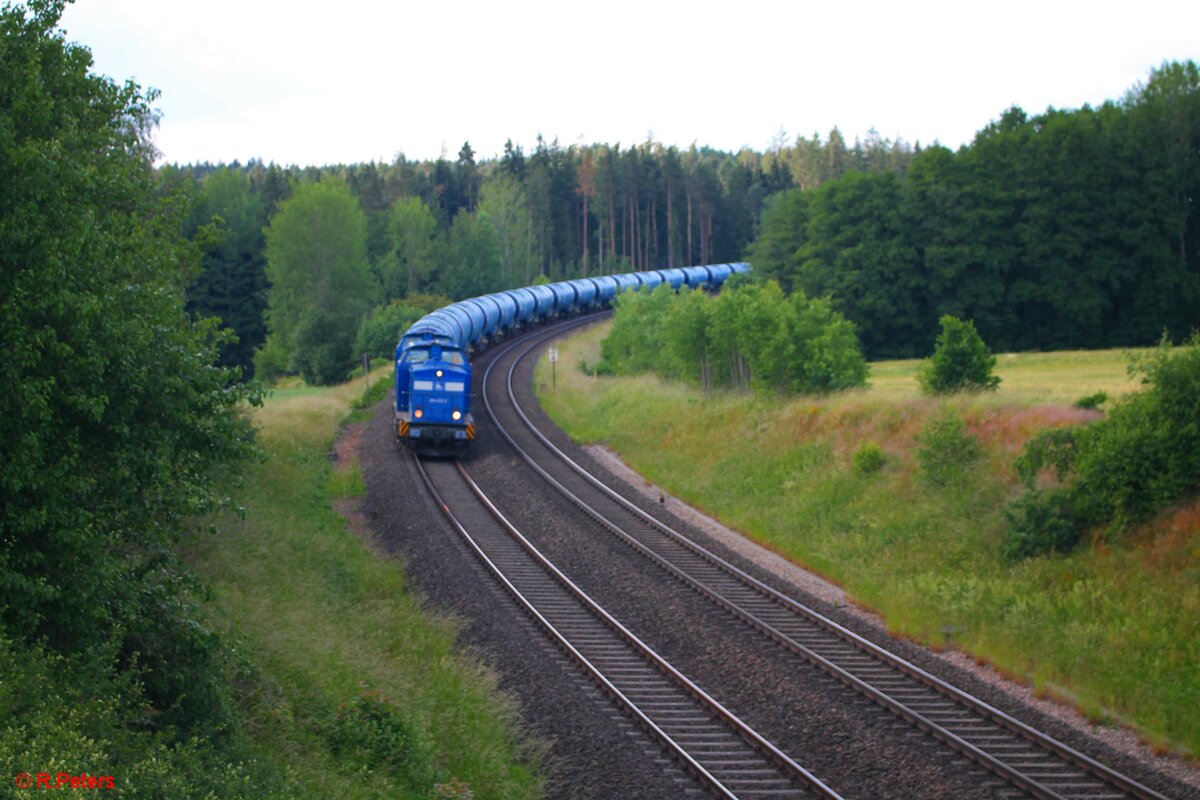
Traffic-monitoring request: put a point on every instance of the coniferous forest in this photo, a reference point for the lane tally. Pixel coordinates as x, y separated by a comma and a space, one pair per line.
1066, 228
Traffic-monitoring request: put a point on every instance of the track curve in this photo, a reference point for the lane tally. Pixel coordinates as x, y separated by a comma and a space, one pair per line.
1036, 764
725, 754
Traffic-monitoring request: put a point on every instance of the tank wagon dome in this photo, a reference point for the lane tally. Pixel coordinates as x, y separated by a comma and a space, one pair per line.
491, 315
695, 277
674, 276
428, 329
451, 321
564, 296
507, 307
476, 318
606, 287
545, 300
626, 282
718, 273
585, 292
526, 304
650, 279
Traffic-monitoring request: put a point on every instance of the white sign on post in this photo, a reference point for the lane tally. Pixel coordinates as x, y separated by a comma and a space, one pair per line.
553, 354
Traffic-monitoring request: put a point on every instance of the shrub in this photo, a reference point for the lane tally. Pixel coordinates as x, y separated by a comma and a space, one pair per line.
1092, 400
961, 362
868, 458
945, 450
382, 327
1040, 522
322, 353
374, 732
1119, 470
750, 336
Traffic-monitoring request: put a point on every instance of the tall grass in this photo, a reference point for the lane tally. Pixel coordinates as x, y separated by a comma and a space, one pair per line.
1114, 629
358, 691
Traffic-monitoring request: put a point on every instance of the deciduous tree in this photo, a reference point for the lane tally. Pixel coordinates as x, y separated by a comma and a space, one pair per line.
321, 284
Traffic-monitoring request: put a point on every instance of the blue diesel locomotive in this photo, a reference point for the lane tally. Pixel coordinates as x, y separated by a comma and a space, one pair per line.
433, 373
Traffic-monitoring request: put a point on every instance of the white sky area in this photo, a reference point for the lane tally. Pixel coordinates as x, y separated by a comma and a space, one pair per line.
359, 80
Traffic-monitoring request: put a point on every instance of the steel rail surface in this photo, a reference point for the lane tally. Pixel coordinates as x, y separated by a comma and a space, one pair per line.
995, 764
809, 785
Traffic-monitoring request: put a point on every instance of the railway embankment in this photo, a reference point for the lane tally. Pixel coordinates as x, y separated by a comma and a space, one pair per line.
1110, 629
353, 688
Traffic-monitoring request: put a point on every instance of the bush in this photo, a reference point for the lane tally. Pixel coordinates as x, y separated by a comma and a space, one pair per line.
322, 355
1119, 470
382, 327
961, 362
1092, 401
750, 336
868, 458
72, 714
372, 731
945, 450
1040, 522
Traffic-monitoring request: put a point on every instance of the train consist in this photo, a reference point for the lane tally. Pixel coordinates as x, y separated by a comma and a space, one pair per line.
433, 373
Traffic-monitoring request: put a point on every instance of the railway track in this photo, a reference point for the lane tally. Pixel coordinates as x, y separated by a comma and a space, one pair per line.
1031, 762
726, 755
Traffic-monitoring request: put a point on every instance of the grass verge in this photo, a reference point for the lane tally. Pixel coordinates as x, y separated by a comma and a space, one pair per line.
1113, 628
356, 691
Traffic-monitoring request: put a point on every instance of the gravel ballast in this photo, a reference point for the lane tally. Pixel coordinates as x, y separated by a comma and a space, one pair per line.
591, 750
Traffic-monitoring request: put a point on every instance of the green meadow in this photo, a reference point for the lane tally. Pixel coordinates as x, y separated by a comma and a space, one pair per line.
1113, 628
356, 691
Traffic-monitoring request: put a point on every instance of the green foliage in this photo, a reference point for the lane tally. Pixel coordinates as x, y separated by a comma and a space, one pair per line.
70, 714
121, 426
1092, 401
1040, 522
749, 336
472, 259
1123, 469
961, 362
1115, 628
1008, 231
325, 618
227, 222
322, 355
373, 732
868, 458
945, 451
320, 281
382, 327
418, 249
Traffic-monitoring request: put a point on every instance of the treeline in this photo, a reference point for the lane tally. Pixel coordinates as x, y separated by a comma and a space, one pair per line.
1068, 229
464, 227
750, 336
120, 431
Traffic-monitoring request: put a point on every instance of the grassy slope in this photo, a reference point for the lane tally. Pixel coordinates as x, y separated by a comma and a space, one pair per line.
327, 623
1114, 629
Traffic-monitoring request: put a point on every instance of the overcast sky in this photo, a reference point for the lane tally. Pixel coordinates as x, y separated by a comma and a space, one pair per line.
360, 80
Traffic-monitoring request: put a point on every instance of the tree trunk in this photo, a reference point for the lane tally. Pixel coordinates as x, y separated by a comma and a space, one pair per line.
670, 228
689, 227
585, 235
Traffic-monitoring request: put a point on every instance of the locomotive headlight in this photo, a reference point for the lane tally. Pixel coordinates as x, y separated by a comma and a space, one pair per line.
456, 416
438, 373
418, 413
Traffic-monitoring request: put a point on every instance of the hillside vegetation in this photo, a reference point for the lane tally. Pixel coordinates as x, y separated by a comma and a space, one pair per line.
357, 689
1114, 628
